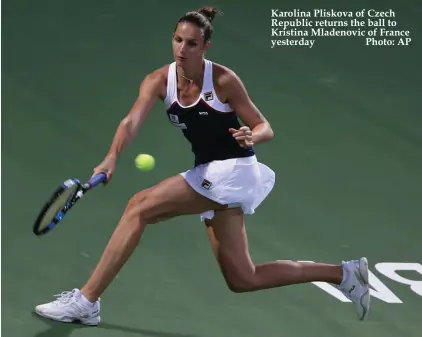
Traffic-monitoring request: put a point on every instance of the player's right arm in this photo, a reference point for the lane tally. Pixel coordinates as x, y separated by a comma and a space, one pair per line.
149, 91
128, 128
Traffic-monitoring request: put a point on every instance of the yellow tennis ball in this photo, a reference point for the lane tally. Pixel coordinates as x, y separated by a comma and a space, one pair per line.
145, 162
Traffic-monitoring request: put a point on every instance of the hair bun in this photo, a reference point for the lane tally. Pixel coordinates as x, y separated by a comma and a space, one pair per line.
208, 12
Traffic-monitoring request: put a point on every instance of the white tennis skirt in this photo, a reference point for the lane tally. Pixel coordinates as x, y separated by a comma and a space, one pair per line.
238, 182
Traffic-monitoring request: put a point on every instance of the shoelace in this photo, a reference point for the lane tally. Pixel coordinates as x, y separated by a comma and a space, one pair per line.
64, 296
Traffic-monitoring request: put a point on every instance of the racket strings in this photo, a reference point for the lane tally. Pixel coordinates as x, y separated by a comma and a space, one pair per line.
57, 206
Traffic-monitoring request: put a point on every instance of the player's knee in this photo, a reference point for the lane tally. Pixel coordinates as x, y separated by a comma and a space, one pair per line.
242, 283
142, 206
135, 207
241, 286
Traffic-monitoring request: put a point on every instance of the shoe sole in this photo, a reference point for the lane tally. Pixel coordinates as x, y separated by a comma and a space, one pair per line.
365, 300
66, 319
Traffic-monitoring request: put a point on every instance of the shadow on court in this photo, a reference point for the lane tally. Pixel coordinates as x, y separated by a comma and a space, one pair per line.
57, 329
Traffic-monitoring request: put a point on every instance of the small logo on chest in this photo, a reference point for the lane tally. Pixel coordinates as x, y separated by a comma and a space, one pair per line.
203, 113
208, 96
174, 119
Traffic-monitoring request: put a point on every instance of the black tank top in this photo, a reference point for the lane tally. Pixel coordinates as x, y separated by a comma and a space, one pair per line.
206, 122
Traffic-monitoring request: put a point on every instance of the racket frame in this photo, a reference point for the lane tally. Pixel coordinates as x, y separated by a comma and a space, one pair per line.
70, 202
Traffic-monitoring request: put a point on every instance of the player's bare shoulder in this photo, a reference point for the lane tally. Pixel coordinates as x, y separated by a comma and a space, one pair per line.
223, 78
157, 80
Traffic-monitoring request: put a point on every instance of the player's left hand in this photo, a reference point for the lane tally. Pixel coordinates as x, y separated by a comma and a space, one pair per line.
243, 136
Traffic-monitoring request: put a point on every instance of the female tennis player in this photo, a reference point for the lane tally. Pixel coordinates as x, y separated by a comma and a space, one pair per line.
204, 100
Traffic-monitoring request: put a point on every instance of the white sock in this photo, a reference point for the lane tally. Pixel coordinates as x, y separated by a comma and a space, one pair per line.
86, 301
345, 277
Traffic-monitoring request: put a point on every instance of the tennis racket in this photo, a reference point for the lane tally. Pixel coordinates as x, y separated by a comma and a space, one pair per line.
62, 200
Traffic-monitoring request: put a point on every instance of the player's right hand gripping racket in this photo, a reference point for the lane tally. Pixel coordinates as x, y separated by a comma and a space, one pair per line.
62, 200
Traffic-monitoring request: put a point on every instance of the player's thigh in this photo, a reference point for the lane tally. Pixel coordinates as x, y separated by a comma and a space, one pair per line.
171, 197
229, 241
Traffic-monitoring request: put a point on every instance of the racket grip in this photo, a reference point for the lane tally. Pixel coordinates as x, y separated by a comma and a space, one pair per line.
97, 179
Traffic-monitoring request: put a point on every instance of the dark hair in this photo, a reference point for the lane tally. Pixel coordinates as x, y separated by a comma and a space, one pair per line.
203, 19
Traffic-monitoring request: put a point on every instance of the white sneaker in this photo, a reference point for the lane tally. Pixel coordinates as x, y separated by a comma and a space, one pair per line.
70, 307
355, 285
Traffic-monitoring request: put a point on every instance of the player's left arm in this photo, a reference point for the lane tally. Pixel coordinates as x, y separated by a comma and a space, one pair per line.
251, 116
